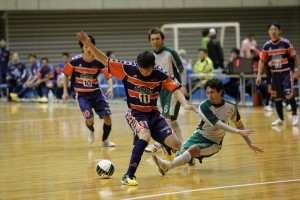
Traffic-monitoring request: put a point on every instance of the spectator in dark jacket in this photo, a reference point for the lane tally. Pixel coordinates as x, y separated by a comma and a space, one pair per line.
214, 50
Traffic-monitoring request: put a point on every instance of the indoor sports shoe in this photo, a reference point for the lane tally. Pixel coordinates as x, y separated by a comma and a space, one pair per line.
169, 153
14, 97
268, 108
91, 137
295, 120
153, 148
161, 164
277, 122
129, 180
107, 143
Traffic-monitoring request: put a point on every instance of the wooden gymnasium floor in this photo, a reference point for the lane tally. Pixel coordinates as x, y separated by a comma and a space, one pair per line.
44, 154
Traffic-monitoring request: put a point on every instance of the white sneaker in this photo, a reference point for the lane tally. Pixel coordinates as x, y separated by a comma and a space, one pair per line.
152, 148
295, 120
91, 137
277, 122
107, 143
268, 108
161, 164
289, 108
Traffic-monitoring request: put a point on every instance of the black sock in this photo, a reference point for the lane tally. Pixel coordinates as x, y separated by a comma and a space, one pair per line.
268, 97
278, 106
90, 127
136, 156
106, 131
293, 105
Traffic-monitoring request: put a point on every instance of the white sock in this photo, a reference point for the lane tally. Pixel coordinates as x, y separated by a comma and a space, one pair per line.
180, 160
157, 144
175, 126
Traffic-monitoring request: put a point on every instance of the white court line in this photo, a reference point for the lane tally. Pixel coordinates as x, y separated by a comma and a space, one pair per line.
38, 120
215, 188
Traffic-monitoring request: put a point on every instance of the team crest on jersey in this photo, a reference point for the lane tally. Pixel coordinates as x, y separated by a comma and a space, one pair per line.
229, 112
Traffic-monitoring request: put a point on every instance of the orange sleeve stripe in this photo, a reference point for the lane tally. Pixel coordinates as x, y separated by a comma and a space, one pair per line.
142, 83
170, 85
68, 69
136, 94
106, 74
143, 108
292, 52
80, 80
239, 124
86, 70
264, 56
116, 69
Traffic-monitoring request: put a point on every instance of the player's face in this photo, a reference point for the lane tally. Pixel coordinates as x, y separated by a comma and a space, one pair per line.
156, 41
274, 33
146, 72
213, 95
86, 50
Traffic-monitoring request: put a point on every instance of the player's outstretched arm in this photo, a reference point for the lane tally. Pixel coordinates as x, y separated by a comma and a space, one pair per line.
110, 89
65, 95
179, 96
99, 55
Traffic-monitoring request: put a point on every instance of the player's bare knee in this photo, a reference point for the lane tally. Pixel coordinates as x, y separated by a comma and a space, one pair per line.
144, 134
107, 120
90, 121
194, 150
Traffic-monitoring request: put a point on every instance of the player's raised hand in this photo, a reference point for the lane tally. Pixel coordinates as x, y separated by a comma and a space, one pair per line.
81, 36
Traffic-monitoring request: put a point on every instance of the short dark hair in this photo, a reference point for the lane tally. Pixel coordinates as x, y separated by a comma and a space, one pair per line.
156, 31
65, 54
146, 60
108, 53
92, 40
44, 59
276, 24
205, 32
31, 55
202, 49
215, 83
235, 50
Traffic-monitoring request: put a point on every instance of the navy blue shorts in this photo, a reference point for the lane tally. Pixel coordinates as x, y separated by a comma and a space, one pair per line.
281, 84
154, 121
95, 100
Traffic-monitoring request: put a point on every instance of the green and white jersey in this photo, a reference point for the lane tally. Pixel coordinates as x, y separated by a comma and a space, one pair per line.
211, 113
169, 60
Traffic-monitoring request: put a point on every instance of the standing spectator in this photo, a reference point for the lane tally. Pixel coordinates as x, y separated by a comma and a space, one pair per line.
232, 87
277, 51
248, 44
205, 38
44, 82
16, 76
169, 60
4, 59
203, 65
214, 50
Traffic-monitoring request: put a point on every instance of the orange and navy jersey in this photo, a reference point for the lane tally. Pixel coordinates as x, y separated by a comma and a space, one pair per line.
85, 73
278, 54
142, 92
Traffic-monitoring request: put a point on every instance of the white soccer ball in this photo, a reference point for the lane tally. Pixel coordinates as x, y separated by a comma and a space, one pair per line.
105, 168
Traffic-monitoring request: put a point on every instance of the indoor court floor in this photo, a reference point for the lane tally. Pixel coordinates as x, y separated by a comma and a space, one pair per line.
44, 154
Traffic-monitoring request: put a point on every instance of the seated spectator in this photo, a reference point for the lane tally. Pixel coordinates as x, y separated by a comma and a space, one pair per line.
232, 87
45, 80
33, 76
204, 65
59, 75
182, 55
16, 75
